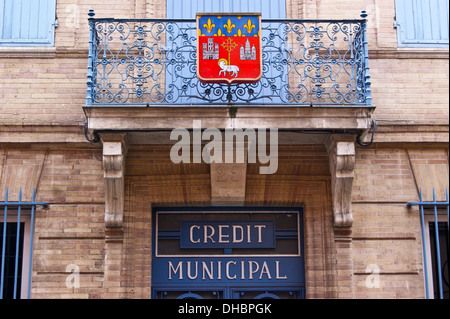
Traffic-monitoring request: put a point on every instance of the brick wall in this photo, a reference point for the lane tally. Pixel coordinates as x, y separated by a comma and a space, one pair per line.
53, 90
414, 90
42, 91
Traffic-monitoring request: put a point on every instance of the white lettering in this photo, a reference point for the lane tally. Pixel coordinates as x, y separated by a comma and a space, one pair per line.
189, 309
259, 227
215, 146
242, 308
228, 233
210, 272
265, 270
206, 227
73, 280
228, 270
277, 267
262, 155
183, 145
373, 280
219, 270
197, 141
252, 270
240, 139
189, 270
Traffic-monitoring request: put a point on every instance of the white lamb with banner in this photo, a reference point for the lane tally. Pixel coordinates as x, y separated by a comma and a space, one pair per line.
233, 69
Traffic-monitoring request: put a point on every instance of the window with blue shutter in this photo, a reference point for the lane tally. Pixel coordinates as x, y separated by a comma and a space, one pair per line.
422, 23
27, 22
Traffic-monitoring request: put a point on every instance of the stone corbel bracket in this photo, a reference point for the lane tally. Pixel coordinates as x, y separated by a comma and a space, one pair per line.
341, 152
228, 180
114, 151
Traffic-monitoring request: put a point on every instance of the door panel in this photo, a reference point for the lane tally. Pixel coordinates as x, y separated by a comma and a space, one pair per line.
230, 293
228, 252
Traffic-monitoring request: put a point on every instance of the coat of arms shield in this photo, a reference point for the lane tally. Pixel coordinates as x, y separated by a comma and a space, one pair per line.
229, 47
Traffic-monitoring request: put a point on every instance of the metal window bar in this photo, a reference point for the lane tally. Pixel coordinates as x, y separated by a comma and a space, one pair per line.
435, 205
17, 205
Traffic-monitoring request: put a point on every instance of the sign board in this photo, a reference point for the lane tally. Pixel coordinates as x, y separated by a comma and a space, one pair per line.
227, 234
229, 47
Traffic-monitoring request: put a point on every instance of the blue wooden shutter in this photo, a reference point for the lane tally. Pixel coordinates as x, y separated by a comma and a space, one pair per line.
422, 23
27, 22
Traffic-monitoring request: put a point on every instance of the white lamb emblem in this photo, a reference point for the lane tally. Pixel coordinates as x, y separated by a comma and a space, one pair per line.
233, 69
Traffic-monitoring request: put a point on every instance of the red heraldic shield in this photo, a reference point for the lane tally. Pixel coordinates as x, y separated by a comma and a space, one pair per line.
229, 48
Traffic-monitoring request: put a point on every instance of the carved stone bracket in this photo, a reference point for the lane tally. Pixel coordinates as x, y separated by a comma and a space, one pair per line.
341, 152
114, 152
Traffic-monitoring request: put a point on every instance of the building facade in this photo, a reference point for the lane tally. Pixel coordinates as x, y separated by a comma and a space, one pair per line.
351, 119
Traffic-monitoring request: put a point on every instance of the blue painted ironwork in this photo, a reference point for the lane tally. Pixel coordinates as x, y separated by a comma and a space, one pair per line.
435, 205
152, 62
19, 205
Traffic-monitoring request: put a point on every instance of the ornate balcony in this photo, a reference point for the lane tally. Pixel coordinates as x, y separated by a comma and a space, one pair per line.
152, 62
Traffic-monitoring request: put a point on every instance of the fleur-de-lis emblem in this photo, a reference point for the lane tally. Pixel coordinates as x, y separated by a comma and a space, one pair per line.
229, 26
209, 26
249, 26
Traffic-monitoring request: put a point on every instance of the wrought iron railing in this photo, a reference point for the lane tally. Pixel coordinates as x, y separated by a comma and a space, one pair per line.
146, 62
